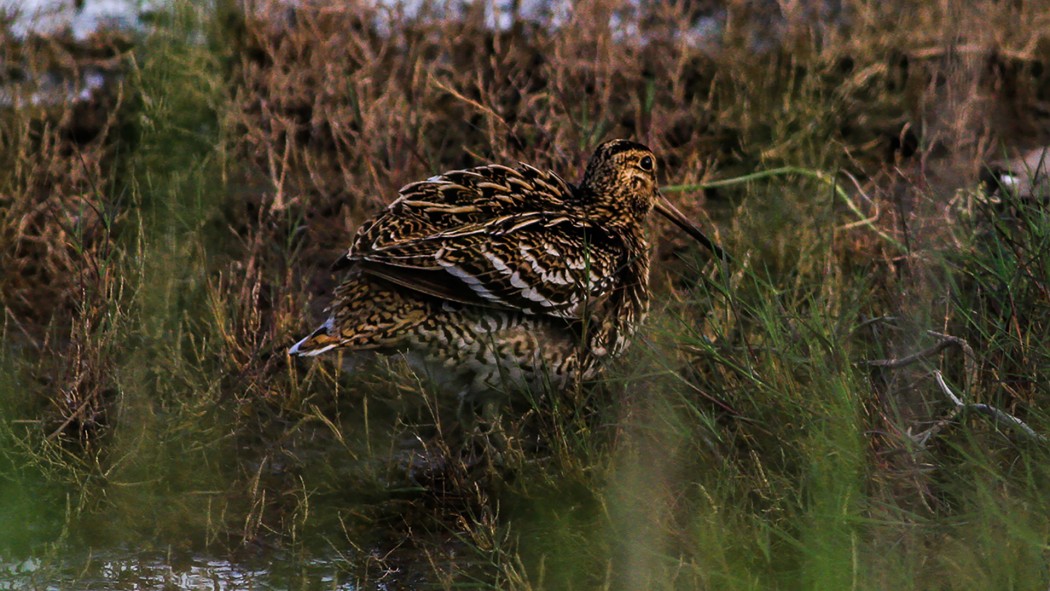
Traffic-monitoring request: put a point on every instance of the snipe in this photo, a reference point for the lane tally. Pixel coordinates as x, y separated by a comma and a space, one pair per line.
497, 278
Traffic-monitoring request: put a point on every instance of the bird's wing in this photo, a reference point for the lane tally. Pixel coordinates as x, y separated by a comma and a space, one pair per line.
539, 263
490, 236
461, 198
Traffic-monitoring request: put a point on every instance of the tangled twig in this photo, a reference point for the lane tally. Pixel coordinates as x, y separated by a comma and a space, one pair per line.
945, 341
1001, 417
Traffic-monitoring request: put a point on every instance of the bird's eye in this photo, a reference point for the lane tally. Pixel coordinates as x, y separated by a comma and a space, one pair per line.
646, 163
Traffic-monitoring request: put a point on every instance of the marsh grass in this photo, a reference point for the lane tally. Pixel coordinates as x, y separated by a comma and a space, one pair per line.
159, 260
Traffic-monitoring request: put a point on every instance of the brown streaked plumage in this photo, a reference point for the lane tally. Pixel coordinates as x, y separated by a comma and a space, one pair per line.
496, 277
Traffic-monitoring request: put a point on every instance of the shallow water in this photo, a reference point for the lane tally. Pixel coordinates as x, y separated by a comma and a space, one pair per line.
147, 571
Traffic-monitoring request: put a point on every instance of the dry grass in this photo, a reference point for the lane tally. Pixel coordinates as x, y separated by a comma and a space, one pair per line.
163, 243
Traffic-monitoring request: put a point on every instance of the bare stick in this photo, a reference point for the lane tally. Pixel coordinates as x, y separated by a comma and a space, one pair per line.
922, 438
1000, 417
78, 413
945, 341
968, 355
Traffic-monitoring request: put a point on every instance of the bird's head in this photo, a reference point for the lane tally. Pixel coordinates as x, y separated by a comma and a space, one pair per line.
621, 176
621, 180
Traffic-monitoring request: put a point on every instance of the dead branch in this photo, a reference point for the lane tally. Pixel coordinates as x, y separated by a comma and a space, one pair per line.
1001, 417
944, 342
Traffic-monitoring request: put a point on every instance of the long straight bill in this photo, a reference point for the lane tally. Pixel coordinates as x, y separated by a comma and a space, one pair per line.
671, 212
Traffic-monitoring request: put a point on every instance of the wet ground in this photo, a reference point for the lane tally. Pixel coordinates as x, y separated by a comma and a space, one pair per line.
155, 571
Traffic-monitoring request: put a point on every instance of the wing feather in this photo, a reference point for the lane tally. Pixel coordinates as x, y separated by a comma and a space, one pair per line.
491, 236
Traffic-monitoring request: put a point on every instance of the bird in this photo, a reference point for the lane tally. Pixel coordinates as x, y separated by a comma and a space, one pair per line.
498, 278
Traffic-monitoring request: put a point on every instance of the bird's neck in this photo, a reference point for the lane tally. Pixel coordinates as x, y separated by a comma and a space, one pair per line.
612, 217
619, 208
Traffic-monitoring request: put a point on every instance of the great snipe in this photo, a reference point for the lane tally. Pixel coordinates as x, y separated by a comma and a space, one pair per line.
496, 277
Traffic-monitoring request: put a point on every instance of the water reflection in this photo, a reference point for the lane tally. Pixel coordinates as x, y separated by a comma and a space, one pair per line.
153, 571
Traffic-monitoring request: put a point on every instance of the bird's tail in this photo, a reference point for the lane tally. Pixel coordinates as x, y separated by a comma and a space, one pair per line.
318, 342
